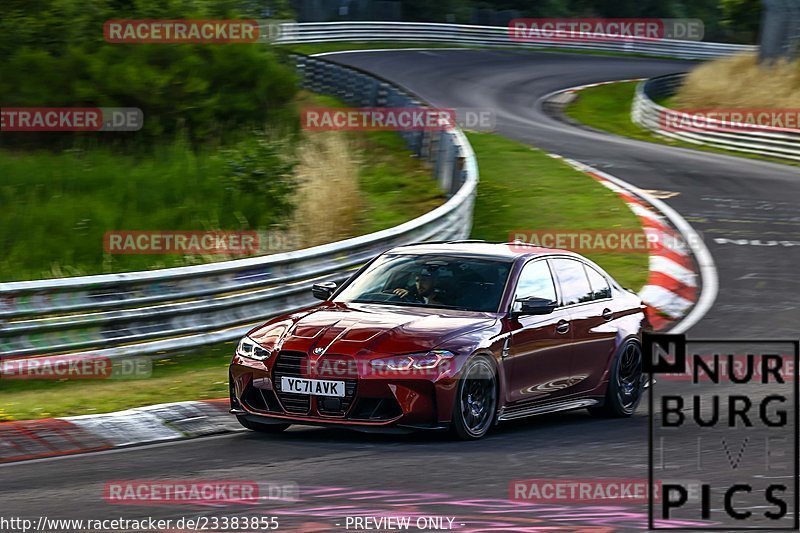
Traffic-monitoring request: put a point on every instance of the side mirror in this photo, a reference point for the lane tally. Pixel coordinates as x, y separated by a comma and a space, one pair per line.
324, 290
535, 306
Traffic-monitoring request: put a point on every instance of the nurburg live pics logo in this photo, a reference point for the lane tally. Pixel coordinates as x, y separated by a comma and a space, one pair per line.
732, 425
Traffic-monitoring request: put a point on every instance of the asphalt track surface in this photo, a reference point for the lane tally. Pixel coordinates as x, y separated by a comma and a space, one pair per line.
342, 474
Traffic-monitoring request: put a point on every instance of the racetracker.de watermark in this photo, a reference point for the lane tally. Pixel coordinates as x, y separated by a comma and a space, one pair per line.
733, 120
735, 368
58, 367
606, 491
186, 31
643, 240
377, 119
396, 119
31, 119
429, 366
188, 492
183, 242
604, 29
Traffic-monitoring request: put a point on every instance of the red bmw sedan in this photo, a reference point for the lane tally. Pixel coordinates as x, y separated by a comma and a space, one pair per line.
458, 335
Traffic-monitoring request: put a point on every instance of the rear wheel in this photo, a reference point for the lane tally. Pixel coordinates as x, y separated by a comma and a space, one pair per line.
625, 383
261, 428
476, 400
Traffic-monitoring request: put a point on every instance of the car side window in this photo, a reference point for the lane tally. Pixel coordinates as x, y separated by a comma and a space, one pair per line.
536, 281
575, 287
600, 286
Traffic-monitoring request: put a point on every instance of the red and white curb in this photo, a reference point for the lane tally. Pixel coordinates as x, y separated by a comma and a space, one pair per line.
682, 284
38, 439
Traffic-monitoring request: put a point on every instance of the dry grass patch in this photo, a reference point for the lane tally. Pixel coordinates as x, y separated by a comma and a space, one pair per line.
328, 197
741, 82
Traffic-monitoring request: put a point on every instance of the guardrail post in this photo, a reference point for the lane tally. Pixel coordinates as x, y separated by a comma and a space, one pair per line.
459, 174
424, 145
444, 171
382, 95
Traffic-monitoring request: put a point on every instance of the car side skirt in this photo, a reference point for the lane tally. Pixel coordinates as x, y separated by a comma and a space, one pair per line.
533, 410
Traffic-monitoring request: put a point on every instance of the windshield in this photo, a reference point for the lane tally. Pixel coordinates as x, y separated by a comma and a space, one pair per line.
441, 281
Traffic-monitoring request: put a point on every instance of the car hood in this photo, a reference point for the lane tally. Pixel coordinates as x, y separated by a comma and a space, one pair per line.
364, 329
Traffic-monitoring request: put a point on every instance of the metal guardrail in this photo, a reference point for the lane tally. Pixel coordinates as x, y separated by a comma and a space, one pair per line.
149, 312
648, 114
466, 35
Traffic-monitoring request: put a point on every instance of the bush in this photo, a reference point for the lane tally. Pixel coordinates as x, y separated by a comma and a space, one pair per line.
58, 206
263, 169
55, 56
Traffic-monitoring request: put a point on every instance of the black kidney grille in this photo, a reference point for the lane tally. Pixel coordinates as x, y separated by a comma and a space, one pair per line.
290, 364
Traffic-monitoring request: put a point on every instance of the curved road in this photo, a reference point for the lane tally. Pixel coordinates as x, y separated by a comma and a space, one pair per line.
342, 473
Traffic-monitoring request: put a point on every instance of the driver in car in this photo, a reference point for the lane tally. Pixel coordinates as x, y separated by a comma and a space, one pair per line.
426, 289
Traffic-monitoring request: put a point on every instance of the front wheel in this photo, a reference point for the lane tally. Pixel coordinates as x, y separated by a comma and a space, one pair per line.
625, 383
261, 428
476, 400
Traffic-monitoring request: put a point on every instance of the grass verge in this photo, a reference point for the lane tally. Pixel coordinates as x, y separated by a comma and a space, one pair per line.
199, 375
608, 108
393, 185
521, 188
60, 205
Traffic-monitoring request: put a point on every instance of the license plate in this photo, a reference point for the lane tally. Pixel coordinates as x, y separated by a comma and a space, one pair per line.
317, 387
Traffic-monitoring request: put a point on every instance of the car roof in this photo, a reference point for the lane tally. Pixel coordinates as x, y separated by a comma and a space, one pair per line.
473, 248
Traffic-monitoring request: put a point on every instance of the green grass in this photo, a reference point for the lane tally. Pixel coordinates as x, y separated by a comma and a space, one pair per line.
520, 188
58, 206
523, 188
608, 108
394, 184
198, 375
396, 188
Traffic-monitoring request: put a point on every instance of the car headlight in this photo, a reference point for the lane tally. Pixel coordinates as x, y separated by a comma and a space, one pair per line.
422, 361
252, 350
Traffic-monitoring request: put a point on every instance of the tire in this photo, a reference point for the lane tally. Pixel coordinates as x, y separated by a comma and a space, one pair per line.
475, 405
625, 383
261, 428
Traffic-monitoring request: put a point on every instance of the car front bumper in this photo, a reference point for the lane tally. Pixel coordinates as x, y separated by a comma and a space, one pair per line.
370, 402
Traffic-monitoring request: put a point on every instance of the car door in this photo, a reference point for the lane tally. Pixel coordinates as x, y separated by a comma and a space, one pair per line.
587, 294
539, 346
